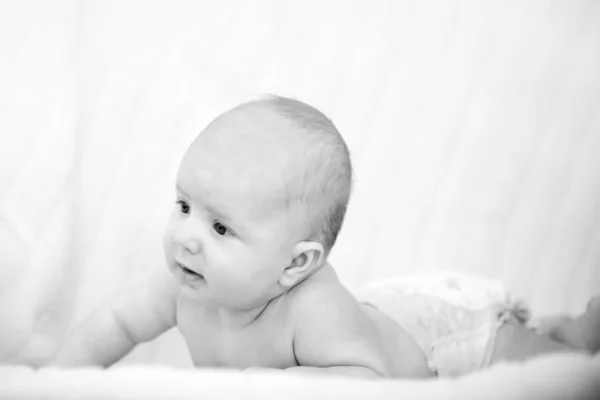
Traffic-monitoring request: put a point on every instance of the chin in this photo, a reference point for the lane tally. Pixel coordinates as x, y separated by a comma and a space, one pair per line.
193, 293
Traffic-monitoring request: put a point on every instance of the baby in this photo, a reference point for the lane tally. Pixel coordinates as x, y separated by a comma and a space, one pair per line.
261, 197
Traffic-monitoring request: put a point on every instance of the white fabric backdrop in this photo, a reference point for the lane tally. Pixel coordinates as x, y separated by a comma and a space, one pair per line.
474, 129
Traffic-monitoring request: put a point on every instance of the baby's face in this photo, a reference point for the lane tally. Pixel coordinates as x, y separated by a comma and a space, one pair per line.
229, 238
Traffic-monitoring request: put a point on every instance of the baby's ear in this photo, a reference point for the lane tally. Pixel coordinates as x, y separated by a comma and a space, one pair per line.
308, 258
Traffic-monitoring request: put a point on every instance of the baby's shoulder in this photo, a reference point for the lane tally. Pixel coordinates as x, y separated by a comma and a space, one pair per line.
321, 293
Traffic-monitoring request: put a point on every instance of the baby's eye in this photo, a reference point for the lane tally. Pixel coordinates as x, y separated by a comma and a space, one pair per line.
183, 206
221, 229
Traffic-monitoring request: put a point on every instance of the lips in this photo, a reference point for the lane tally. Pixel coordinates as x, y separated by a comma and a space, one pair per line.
189, 273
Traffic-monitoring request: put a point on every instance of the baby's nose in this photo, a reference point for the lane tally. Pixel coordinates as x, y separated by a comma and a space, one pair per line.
188, 238
193, 246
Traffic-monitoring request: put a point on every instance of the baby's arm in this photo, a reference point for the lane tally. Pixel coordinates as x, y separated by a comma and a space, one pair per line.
111, 332
332, 335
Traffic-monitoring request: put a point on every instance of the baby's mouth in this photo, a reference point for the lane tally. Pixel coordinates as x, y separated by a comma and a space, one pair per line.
190, 273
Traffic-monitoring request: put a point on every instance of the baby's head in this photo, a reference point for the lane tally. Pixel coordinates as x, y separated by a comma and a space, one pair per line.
261, 196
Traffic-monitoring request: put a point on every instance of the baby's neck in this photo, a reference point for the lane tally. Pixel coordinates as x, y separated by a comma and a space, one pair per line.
238, 319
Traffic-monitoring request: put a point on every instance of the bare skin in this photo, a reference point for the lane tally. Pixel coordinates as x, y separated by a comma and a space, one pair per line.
299, 328
582, 332
316, 327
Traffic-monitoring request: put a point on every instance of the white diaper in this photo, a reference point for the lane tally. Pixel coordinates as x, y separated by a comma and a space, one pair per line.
452, 316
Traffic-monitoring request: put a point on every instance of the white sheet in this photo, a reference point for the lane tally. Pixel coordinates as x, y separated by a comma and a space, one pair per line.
557, 377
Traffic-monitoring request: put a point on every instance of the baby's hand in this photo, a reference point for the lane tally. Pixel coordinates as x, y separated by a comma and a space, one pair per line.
39, 352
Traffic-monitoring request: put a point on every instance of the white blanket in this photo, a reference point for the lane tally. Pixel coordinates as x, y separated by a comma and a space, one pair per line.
561, 377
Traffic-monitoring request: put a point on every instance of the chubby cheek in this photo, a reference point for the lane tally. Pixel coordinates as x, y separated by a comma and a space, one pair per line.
250, 274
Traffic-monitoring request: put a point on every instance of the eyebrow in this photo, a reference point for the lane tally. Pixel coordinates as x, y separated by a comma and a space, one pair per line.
179, 189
